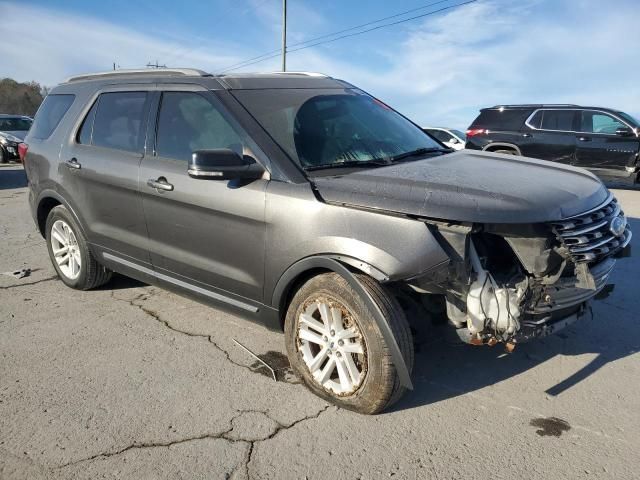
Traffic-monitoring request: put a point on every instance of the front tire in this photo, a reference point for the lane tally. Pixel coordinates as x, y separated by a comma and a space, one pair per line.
335, 346
70, 254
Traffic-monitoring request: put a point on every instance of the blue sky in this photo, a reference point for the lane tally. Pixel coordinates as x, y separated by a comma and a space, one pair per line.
438, 70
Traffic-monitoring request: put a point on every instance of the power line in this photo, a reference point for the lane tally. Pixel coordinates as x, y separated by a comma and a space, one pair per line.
190, 50
269, 55
239, 64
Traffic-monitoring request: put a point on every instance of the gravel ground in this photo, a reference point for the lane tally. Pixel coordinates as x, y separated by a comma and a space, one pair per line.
131, 381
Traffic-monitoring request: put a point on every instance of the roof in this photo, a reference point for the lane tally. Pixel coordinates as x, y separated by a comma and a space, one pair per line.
531, 106
228, 81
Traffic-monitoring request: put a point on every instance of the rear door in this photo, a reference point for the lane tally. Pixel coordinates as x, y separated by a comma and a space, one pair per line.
100, 165
550, 135
599, 147
207, 233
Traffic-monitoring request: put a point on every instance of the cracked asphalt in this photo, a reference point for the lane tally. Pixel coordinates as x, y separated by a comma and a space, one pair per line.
131, 381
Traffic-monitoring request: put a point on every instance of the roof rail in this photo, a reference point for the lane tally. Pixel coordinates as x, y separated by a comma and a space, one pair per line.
538, 105
139, 71
306, 74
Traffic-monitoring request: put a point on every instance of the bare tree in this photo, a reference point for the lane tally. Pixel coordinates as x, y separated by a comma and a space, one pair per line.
20, 98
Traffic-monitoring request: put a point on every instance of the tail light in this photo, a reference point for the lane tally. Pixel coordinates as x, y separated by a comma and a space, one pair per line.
472, 132
22, 151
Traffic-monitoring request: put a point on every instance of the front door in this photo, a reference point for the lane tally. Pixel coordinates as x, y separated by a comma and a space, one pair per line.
599, 147
100, 168
208, 233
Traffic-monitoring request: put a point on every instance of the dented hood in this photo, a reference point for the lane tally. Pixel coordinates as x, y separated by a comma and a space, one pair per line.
470, 186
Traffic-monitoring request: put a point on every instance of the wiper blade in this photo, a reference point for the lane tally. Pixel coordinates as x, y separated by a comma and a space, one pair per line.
349, 164
417, 152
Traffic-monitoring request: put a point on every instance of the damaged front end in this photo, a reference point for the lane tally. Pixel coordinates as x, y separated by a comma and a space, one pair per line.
512, 282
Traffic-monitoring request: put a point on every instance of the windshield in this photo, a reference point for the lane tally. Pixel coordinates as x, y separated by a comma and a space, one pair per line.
14, 124
334, 127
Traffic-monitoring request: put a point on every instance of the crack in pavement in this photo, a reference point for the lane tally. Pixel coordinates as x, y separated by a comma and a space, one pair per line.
280, 427
224, 435
48, 279
156, 316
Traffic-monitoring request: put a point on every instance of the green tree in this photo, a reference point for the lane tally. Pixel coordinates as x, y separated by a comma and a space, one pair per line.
20, 98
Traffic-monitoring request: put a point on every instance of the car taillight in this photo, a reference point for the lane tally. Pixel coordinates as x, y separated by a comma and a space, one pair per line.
22, 151
472, 132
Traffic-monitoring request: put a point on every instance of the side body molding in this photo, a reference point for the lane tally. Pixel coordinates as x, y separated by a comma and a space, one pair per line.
327, 263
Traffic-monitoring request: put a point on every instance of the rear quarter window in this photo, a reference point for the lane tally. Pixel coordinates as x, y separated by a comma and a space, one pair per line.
494, 119
50, 114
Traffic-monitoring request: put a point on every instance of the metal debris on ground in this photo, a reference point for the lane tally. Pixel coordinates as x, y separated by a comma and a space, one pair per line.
18, 274
273, 372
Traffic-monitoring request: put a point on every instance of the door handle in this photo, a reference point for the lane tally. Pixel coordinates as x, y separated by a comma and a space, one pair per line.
527, 135
73, 163
160, 184
584, 139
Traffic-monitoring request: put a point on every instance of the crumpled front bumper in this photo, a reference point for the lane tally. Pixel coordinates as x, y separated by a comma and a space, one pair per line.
550, 324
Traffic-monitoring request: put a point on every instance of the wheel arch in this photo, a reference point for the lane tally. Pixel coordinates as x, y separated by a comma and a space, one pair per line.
47, 201
490, 147
347, 268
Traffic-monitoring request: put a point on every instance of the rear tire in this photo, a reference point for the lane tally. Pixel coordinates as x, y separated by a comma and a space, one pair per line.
70, 254
352, 341
505, 151
3, 156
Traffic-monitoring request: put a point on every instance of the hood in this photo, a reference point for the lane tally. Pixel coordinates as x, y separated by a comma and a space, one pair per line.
16, 133
470, 186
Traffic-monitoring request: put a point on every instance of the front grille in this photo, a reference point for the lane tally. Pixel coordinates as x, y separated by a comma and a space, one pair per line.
588, 237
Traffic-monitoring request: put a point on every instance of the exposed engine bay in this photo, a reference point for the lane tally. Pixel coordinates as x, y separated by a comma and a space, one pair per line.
513, 282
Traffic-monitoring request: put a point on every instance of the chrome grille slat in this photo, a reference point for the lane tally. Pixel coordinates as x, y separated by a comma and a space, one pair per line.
587, 237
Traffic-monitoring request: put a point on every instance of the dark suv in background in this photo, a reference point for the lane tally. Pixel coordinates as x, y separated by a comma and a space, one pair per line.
13, 129
299, 201
602, 140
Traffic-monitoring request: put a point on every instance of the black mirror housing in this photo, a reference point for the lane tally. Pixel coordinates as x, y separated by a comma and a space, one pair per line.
624, 132
223, 164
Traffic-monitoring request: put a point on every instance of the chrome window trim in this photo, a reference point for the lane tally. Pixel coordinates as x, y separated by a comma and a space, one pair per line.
574, 110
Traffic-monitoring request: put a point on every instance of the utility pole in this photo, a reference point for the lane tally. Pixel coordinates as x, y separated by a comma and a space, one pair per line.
284, 35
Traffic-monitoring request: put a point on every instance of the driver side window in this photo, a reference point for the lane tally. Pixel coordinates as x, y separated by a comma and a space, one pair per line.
597, 122
187, 122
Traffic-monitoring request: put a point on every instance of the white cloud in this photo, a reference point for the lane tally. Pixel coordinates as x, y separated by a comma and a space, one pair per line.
446, 68
51, 46
494, 52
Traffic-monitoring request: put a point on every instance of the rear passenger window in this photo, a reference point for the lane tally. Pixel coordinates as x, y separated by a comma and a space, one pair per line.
557, 120
119, 121
189, 122
49, 115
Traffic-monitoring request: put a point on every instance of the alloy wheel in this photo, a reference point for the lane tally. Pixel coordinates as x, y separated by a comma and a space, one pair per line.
332, 347
66, 251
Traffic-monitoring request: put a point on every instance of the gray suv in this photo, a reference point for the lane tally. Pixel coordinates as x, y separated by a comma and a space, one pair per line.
301, 202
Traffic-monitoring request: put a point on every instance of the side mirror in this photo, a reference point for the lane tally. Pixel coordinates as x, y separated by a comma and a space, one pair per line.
223, 164
624, 132
454, 141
